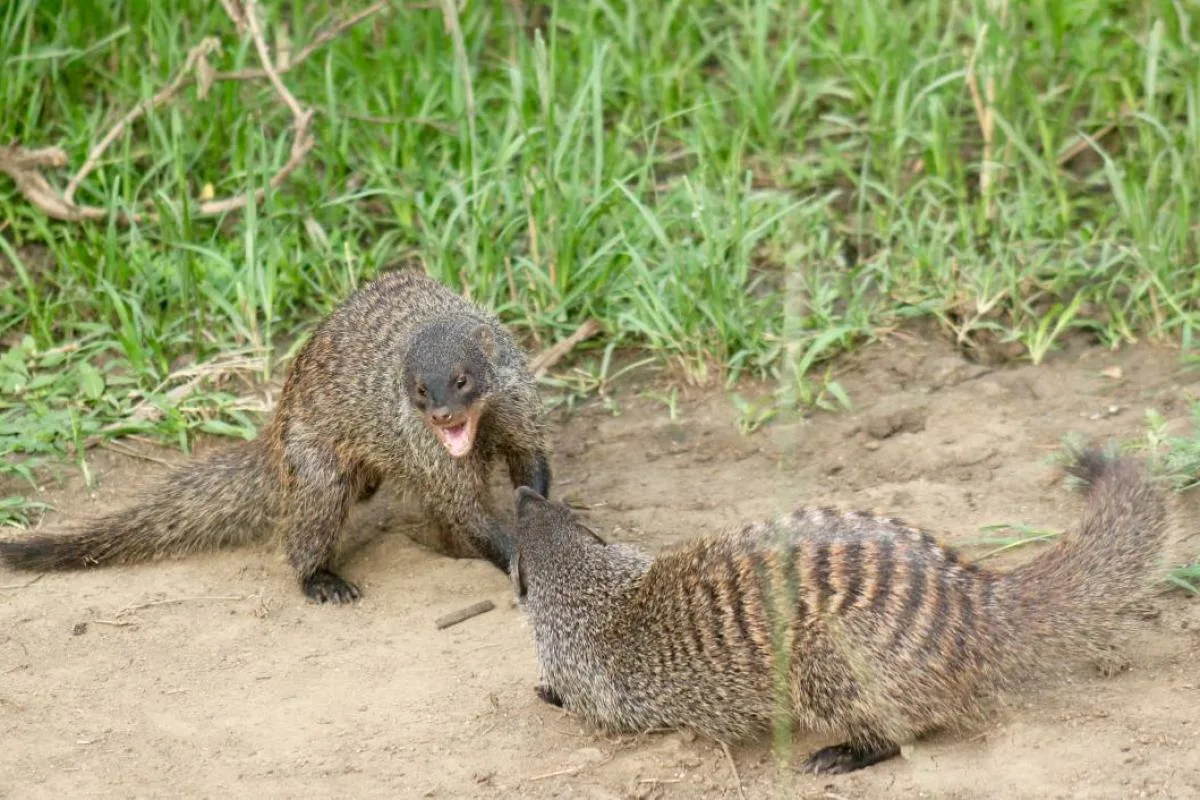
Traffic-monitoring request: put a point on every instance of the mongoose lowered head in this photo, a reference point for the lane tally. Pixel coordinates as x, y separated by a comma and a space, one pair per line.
448, 377
547, 530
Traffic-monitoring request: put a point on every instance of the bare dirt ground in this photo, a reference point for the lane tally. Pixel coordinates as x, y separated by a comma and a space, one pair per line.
212, 677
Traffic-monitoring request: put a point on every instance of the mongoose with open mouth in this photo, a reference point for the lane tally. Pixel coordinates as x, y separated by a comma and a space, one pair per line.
406, 380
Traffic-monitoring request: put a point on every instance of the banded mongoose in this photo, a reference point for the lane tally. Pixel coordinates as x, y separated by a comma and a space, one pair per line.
405, 380
874, 631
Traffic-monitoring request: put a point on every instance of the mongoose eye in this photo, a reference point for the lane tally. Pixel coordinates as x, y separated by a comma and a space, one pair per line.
462, 382
421, 390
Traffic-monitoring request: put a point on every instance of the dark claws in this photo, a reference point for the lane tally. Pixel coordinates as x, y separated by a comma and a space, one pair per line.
840, 759
324, 586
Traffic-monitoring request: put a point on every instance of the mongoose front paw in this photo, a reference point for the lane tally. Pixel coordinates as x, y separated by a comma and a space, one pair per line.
547, 695
842, 758
324, 586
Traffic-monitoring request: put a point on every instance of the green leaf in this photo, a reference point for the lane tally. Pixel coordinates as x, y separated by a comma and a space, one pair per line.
91, 382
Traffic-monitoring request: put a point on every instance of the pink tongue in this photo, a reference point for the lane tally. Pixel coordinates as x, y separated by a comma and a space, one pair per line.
457, 441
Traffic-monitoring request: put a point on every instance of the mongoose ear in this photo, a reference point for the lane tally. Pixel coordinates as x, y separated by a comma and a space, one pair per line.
518, 578
483, 335
526, 499
593, 534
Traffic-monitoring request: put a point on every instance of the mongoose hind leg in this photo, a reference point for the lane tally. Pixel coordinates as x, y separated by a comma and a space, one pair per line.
318, 500
850, 756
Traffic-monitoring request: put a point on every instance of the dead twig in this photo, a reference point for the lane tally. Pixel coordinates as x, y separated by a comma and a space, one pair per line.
571, 770
450, 16
464, 614
253, 360
236, 13
24, 165
1087, 141
737, 778
14, 586
129, 452
984, 114
174, 601
555, 353
320, 40
181, 79
302, 138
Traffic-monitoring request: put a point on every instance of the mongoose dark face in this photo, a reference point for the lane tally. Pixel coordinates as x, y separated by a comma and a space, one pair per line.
446, 377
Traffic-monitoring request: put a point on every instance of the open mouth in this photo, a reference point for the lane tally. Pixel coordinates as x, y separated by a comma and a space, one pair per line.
457, 437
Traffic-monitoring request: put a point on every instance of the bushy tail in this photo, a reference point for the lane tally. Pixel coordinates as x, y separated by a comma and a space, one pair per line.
227, 498
1072, 594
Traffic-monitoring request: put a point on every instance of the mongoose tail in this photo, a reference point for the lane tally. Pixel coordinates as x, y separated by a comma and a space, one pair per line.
1071, 595
225, 499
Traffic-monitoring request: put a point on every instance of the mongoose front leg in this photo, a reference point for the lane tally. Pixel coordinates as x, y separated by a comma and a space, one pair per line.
318, 499
532, 469
547, 694
461, 511
850, 756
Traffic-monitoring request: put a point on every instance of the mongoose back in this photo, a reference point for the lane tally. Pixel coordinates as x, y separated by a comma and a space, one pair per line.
405, 380
845, 623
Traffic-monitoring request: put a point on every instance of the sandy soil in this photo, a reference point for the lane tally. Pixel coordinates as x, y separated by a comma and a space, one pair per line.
212, 677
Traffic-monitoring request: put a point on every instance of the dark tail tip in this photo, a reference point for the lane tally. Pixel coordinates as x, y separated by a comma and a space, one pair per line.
1090, 463
40, 553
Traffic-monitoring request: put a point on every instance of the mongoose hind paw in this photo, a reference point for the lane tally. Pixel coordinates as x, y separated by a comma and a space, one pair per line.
547, 695
839, 759
324, 586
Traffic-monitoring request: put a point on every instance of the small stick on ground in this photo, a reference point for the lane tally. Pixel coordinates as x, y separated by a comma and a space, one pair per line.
555, 353
25, 585
737, 778
464, 614
570, 770
178, 600
129, 452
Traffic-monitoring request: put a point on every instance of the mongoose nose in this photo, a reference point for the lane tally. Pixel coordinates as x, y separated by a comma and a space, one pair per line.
440, 416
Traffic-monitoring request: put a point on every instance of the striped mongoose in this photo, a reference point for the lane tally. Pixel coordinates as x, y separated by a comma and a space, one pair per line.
880, 634
405, 380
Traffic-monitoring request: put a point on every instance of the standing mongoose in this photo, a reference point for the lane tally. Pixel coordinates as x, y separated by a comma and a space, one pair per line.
846, 623
405, 380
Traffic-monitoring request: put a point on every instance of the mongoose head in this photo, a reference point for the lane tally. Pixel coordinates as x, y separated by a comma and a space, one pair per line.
448, 376
546, 530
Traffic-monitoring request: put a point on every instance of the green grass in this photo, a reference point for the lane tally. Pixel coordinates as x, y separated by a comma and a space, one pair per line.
736, 188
